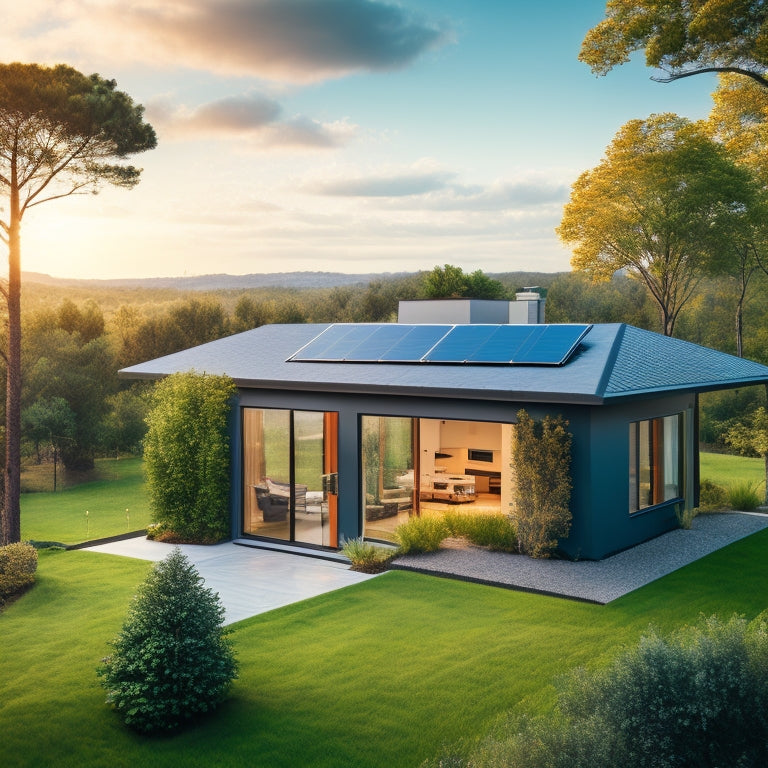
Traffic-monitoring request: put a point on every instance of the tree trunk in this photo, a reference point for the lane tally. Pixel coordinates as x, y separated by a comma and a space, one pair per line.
765, 500
12, 472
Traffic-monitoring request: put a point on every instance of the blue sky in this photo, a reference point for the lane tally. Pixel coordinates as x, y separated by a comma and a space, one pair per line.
336, 135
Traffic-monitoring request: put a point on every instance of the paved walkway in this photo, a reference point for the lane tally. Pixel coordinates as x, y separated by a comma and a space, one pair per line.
595, 581
249, 580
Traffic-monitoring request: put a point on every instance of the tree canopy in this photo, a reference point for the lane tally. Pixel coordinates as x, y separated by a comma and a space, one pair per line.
449, 282
62, 133
661, 205
682, 37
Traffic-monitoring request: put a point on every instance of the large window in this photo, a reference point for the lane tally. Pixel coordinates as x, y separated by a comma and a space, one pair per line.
388, 473
655, 461
289, 469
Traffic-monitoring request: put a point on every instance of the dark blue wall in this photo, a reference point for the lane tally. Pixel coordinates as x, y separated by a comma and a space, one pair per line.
601, 525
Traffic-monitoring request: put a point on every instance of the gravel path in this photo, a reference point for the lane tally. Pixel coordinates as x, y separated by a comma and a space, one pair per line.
595, 581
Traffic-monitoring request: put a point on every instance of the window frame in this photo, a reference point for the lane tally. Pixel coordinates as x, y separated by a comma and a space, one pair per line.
656, 462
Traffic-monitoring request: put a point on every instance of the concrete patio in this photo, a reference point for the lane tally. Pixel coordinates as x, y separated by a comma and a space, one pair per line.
249, 580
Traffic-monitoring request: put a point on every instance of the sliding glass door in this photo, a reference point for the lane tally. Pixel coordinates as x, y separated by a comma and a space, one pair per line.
289, 475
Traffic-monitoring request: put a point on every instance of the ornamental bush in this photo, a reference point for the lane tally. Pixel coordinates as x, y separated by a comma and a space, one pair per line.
18, 563
698, 697
497, 532
542, 460
186, 455
172, 661
422, 534
366, 557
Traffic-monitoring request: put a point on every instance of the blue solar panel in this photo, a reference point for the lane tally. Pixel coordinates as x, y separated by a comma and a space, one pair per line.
378, 343
554, 345
334, 342
471, 344
504, 345
416, 343
460, 344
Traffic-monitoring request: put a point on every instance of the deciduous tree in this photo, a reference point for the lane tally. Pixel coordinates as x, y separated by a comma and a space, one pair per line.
682, 37
449, 282
752, 438
661, 205
61, 133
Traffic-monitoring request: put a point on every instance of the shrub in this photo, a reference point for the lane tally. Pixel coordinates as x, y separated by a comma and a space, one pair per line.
186, 453
366, 557
18, 563
172, 661
542, 457
697, 697
421, 534
744, 496
712, 497
496, 532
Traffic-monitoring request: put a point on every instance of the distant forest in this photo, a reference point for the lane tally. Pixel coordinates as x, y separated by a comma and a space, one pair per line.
78, 334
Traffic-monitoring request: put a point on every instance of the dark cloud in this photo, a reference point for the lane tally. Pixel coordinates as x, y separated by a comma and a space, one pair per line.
300, 40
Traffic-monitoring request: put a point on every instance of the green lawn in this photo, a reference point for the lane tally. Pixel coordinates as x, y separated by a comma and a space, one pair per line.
380, 674
725, 469
61, 516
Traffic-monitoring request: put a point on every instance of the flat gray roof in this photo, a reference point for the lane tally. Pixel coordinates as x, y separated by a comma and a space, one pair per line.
614, 361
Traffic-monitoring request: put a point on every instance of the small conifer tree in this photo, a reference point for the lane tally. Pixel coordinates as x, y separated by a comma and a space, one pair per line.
542, 461
172, 660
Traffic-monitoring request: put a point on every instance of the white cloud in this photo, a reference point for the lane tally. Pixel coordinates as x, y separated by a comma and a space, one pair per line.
253, 117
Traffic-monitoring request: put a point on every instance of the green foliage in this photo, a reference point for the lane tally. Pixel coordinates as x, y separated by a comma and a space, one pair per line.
18, 563
172, 661
542, 456
48, 420
449, 282
422, 534
743, 496
365, 557
497, 532
67, 356
663, 204
694, 698
187, 458
751, 437
681, 38
712, 497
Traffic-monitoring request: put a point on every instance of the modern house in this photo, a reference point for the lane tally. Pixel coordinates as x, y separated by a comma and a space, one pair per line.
346, 430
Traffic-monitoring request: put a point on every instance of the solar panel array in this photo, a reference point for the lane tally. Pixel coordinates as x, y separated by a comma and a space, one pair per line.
451, 344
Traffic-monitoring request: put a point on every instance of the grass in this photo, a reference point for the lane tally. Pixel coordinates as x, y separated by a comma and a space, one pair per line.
727, 470
380, 674
61, 516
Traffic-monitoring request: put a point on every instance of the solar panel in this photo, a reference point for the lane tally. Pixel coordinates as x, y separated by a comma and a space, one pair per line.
334, 343
448, 344
553, 346
504, 345
460, 344
379, 342
416, 343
